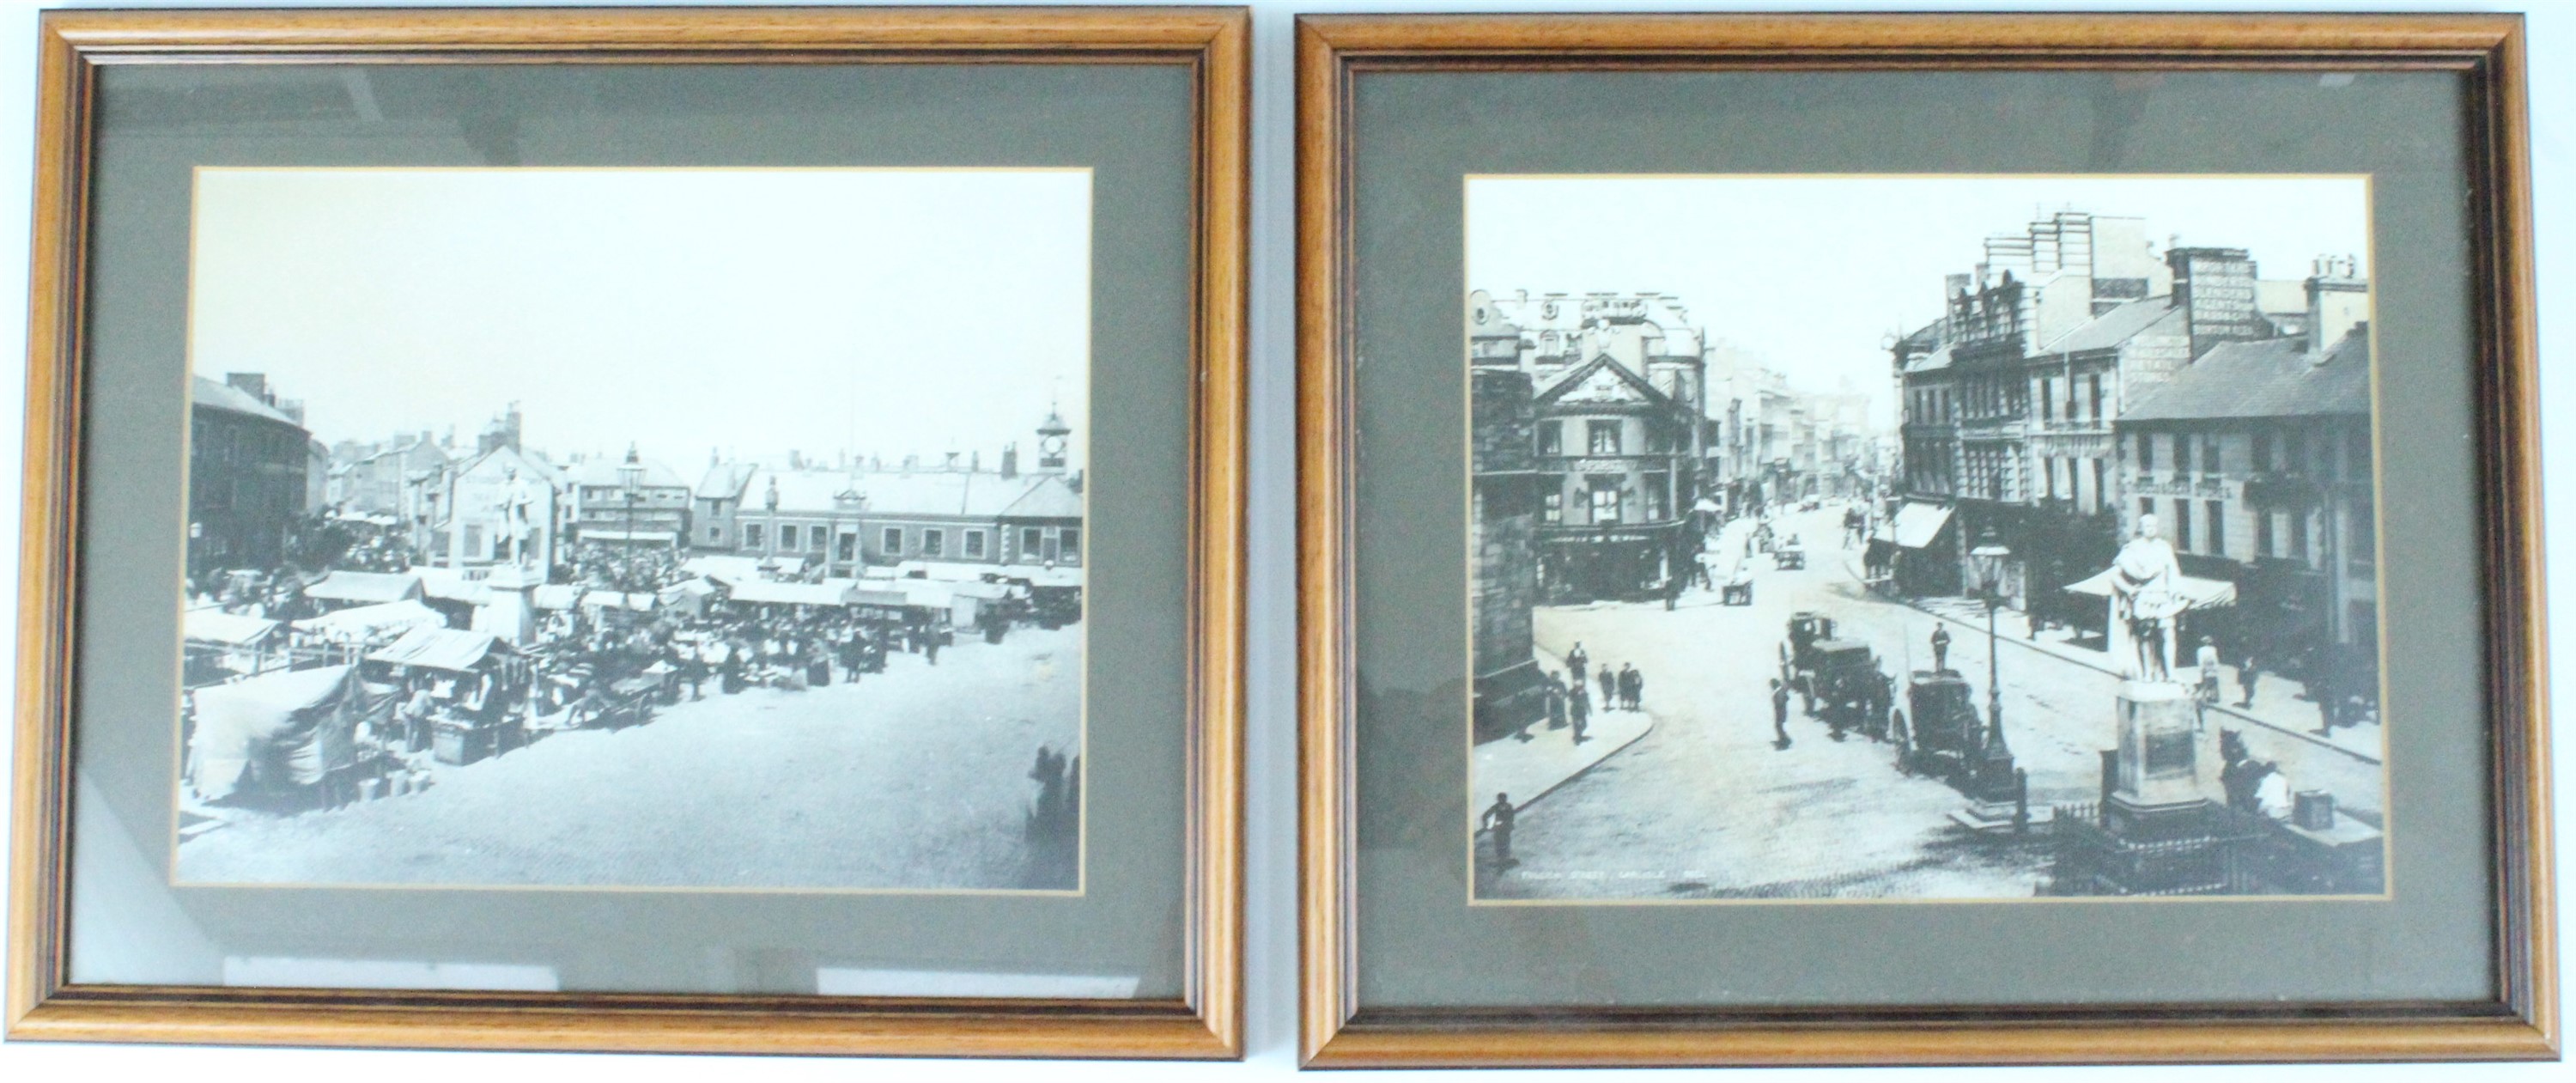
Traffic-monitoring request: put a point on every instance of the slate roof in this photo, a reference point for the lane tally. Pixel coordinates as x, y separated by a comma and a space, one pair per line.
978, 494
1931, 362
1557, 385
218, 395
724, 481
2110, 329
605, 472
2266, 378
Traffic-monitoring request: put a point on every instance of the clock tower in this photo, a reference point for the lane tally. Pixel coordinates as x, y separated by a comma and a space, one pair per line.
1051, 441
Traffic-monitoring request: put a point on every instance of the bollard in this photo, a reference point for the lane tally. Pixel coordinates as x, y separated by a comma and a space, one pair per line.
2021, 800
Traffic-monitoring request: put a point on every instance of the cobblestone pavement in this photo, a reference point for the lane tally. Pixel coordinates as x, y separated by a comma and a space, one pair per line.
913, 778
1704, 805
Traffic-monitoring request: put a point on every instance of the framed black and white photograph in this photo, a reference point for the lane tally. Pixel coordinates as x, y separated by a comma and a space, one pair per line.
421, 565
1919, 539
2110, 475
717, 525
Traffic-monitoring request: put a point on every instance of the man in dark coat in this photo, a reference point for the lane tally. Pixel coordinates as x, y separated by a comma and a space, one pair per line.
1575, 660
1498, 819
1555, 702
1940, 648
1579, 711
1632, 687
1609, 688
1779, 714
2248, 674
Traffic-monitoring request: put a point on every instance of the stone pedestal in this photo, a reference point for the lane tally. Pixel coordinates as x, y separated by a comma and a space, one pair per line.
2162, 767
511, 612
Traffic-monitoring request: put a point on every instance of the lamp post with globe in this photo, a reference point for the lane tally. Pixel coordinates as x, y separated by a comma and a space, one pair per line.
1998, 781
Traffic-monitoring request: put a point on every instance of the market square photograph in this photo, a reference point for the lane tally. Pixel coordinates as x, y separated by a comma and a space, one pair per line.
636, 528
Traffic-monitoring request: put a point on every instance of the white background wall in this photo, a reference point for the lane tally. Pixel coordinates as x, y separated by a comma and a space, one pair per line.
1271, 787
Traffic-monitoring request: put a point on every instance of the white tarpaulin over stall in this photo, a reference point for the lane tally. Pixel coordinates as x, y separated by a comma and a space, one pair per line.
371, 621
289, 728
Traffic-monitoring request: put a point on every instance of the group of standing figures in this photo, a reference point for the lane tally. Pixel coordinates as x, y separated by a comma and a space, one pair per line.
1569, 694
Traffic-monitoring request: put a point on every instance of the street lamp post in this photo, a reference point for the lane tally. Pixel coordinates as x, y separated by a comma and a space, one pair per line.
630, 478
1998, 782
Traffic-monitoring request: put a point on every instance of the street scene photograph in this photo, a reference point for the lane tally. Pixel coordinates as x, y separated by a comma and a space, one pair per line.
713, 529
1922, 538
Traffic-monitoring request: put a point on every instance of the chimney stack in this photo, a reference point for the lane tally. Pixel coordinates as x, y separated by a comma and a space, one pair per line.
2338, 301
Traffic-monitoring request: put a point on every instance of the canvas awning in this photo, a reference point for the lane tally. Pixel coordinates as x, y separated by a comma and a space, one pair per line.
557, 596
369, 621
453, 649
450, 584
345, 586
2197, 593
294, 726
656, 537
941, 571
724, 569
1046, 577
1917, 523
230, 629
767, 593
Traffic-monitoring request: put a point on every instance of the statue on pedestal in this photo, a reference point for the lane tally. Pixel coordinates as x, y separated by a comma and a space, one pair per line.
519, 512
2146, 596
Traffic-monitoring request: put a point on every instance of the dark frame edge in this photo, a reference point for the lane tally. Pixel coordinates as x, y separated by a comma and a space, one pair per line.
1204, 1023
2521, 1024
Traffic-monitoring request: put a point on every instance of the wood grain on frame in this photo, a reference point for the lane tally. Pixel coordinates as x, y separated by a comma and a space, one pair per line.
2521, 1022
1205, 1022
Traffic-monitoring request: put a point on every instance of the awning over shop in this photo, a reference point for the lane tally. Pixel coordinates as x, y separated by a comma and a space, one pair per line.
2197, 593
230, 629
453, 649
557, 596
640, 601
1917, 523
370, 621
345, 586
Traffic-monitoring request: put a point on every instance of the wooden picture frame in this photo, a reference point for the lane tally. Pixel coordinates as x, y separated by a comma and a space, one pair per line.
1334, 52
1209, 45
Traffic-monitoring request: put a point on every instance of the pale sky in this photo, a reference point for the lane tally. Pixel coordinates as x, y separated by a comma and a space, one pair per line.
1814, 273
756, 310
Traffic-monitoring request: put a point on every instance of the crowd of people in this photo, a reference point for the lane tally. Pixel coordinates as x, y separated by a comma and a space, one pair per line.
649, 643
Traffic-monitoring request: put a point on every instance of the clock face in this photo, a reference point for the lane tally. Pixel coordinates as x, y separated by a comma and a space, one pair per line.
1053, 445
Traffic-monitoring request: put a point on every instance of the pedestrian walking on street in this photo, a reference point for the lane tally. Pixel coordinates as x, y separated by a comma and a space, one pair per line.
1673, 591
1578, 708
1575, 660
1555, 702
1940, 648
1632, 687
1498, 819
930, 649
1779, 714
2321, 688
2247, 675
1609, 688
